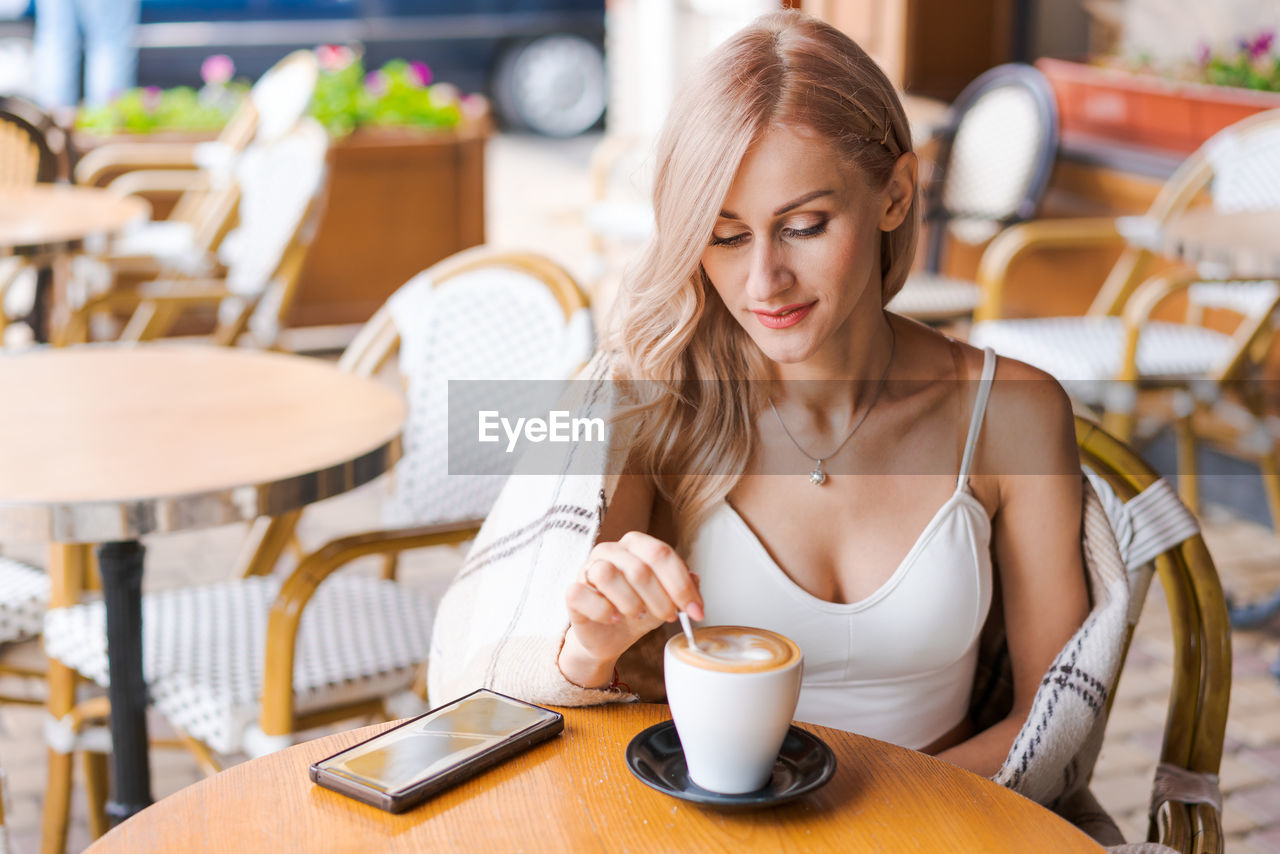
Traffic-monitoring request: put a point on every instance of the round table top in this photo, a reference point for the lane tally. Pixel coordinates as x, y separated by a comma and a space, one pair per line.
575, 793
108, 442
47, 215
1244, 242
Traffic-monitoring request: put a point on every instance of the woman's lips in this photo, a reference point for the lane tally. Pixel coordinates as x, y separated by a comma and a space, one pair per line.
786, 316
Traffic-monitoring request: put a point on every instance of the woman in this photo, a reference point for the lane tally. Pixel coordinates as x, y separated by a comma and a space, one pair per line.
786, 211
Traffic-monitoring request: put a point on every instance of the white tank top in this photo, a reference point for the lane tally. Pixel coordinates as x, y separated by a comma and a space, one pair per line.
897, 665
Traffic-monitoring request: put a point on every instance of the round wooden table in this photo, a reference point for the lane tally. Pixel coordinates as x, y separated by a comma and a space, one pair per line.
1244, 243
47, 221
47, 216
575, 793
105, 444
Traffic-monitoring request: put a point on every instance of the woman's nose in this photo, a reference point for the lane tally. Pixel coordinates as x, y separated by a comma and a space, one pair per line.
768, 275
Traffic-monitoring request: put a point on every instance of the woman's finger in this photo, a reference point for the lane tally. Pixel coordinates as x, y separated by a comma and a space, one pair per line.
669, 568
587, 603
610, 571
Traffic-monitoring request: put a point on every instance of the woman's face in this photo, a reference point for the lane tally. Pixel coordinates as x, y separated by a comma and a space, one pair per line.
795, 251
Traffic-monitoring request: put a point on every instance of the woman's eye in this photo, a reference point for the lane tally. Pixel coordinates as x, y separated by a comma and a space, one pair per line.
810, 231
730, 240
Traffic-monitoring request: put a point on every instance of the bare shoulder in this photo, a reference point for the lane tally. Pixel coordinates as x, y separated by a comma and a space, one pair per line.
1028, 427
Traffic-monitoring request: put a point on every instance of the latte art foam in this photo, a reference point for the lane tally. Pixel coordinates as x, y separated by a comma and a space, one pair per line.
736, 649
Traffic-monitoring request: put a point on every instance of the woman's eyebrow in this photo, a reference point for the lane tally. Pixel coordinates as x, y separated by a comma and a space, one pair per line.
789, 206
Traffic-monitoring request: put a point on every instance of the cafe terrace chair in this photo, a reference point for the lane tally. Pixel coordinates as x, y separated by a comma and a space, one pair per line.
25, 158
281, 185
243, 665
994, 157
200, 175
1117, 352
1158, 535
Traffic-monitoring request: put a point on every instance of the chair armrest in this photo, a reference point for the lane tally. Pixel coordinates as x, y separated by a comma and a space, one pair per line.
127, 156
286, 612
155, 182
1018, 240
176, 294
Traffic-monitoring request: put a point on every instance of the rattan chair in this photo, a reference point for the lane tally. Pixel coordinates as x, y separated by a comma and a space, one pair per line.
243, 665
1116, 351
994, 158
1153, 528
200, 175
280, 193
25, 159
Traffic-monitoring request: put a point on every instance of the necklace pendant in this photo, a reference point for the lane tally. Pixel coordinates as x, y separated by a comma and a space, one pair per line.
817, 477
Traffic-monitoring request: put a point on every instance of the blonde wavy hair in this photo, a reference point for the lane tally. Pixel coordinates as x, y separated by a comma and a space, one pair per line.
676, 341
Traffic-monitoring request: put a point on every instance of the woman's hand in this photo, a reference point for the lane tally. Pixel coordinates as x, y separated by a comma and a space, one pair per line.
626, 590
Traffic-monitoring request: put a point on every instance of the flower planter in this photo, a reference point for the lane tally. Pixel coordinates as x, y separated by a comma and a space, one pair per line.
397, 201
1111, 104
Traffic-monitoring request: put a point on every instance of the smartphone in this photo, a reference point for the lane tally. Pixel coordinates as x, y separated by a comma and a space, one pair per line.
405, 765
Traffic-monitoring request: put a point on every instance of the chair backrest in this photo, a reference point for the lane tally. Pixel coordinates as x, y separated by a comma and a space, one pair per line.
281, 182
483, 314
25, 156
995, 157
276, 102
1146, 515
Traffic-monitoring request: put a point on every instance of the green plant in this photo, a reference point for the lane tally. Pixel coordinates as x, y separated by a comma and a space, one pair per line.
149, 110
400, 94
1253, 64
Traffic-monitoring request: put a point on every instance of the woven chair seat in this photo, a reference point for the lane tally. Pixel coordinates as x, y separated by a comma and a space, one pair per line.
1081, 350
24, 593
203, 649
932, 297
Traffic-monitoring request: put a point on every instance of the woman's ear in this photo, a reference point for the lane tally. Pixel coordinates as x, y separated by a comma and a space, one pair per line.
900, 192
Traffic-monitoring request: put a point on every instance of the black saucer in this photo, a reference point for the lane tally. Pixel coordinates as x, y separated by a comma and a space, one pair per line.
804, 764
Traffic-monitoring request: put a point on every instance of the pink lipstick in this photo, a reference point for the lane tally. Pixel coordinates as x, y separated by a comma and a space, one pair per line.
788, 315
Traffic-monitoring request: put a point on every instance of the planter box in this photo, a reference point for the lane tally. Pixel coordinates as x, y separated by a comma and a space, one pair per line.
398, 200
1145, 110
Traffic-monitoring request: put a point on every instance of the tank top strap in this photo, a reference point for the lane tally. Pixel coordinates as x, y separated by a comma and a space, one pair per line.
979, 410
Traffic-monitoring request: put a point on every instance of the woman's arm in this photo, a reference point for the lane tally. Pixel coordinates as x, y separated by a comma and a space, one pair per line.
631, 584
1029, 442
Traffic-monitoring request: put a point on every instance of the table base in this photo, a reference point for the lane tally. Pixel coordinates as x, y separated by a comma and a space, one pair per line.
121, 566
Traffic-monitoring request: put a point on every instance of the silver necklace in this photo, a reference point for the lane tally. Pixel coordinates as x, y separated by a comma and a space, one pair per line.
818, 477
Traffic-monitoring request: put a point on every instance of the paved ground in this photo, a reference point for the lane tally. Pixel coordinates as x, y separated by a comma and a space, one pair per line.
536, 188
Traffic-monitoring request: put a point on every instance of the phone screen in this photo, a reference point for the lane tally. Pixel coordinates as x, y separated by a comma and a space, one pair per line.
438, 741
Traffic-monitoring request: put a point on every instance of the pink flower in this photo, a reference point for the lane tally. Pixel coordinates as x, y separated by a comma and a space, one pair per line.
334, 57
1203, 54
474, 106
217, 69
151, 96
420, 73
376, 83
1261, 45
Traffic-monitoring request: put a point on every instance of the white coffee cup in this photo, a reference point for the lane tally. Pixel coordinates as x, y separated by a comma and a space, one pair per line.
732, 701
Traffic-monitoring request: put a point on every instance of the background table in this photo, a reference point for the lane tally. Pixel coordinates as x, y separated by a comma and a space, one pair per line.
1245, 243
106, 444
575, 793
46, 221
